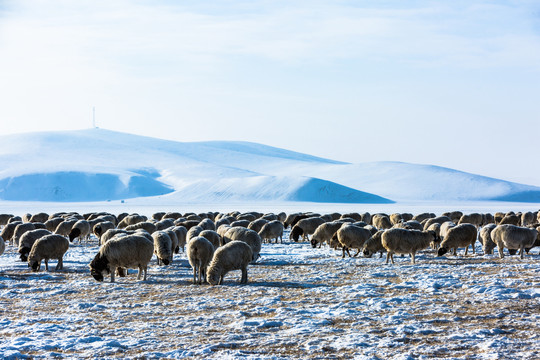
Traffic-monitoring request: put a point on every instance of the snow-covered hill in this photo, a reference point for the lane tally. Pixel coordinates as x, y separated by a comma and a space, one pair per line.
98, 165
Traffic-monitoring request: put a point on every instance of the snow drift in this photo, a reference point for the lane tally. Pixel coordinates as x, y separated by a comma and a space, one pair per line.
100, 165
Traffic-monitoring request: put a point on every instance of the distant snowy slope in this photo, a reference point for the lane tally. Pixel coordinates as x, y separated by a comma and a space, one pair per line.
97, 165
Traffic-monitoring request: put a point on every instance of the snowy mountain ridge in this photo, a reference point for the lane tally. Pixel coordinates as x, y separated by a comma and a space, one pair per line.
98, 165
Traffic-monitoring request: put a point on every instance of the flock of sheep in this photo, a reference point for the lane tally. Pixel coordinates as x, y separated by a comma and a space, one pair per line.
216, 243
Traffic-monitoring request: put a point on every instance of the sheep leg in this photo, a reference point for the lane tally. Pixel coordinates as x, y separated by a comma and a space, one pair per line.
220, 280
60, 265
413, 254
466, 249
358, 252
501, 251
521, 251
139, 273
47, 264
343, 257
112, 275
392, 257
145, 272
195, 274
244, 279
387, 257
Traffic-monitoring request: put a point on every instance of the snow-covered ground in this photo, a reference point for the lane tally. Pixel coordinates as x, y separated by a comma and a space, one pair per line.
300, 303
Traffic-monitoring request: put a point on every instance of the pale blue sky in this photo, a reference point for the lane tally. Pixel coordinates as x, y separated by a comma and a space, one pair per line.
450, 83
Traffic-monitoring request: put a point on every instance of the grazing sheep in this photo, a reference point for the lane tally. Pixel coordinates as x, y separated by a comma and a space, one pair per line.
163, 247
181, 235
20, 230
199, 252
325, 232
423, 216
130, 251
27, 241
257, 225
250, 237
305, 227
403, 241
410, 224
396, 218
243, 223
207, 224
527, 218
458, 236
130, 220
487, 218
158, 215
269, 217
145, 225
45, 248
513, 237
435, 227
109, 234
511, 219
174, 241
475, 218
39, 217
53, 223
485, 238
454, 215
223, 221
437, 219
289, 219
352, 237
4, 218
353, 215
80, 229
211, 236
193, 232
164, 224
235, 255
8, 230
272, 230
222, 230
100, 228
374, 245
64, 228
381, 221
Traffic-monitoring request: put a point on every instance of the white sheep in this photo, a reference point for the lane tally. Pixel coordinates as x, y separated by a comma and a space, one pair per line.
484, 235
404, 241
64, 228
101, 227
235, 255
109, 234
374, 245
27, 241
381, 221
193, 232
513, 237
163, 247
199, 252
305, 227
461, 235
145, 225
129, 251
8, 230
256, 225
475, 218
272, 230
207, 224
20, 230
181, 235
211, 236
325, 232
130, 220
352, 237
48, 247
437, 219
81, 229
248, 236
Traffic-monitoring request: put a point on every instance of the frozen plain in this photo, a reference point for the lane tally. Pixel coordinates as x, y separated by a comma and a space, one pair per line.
300, 303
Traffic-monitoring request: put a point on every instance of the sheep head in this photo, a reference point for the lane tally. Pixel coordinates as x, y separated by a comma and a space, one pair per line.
34, 264
74, 233
24, 253
295, 233
442, 251
99, 267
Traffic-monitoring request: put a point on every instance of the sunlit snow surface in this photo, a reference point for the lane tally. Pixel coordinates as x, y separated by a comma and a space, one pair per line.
300, 302
101, 165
